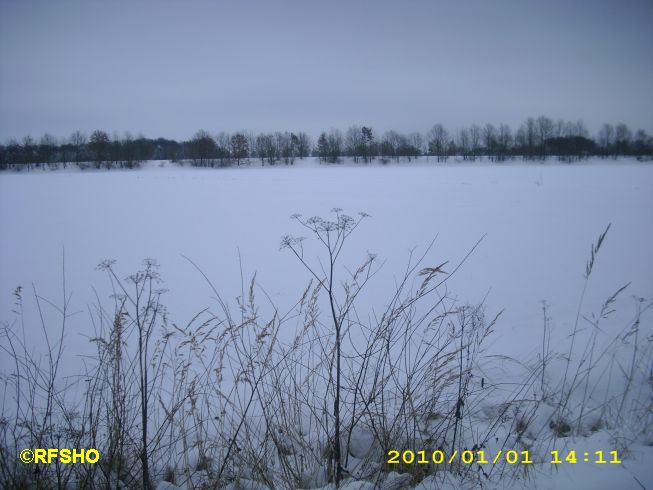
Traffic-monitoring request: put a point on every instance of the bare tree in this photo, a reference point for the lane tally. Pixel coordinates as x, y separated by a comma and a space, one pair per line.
580, 129
239, 147
641, 142
99, 146
222, 144
47, 149
322, 147
464, 143
416, 142
354, 142
397, 145
329, 146
78, 143
622, 137
490, 140
303, 145
251, 144
285, 147
266, 149
527, 136
606, 138
544, 130
438, 140
12, 152
475, 140
131, 156
202, 149
504, 140
359, 142
28, 151
368, 143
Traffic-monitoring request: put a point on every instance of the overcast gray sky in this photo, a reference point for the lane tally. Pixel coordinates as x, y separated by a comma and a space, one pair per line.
169, 68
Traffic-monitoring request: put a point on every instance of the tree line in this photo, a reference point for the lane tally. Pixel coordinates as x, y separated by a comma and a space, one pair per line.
535, 138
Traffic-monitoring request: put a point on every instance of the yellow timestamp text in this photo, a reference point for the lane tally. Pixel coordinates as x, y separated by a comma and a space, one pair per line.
511, 456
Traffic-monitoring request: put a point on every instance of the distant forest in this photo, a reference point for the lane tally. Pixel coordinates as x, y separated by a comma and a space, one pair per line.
536, 139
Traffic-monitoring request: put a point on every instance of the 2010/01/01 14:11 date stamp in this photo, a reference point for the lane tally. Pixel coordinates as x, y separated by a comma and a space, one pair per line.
511, 457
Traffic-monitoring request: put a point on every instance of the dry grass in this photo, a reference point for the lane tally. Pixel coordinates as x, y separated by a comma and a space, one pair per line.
223, 398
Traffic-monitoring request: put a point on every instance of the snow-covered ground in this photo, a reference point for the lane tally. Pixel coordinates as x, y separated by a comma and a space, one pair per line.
538, 222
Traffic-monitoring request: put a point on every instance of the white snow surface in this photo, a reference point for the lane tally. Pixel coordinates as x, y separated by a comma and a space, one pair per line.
538, 221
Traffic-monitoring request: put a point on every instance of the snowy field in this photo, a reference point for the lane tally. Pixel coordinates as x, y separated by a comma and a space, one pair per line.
537, 223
